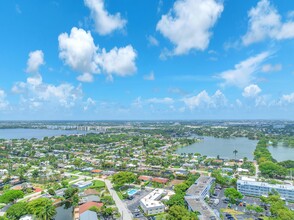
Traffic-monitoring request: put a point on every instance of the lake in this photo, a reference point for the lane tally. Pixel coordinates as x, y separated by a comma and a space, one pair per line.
223, 147
281, 153
35, 133
64, 213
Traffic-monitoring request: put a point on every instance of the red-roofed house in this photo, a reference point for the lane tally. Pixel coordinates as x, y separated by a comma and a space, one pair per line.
160, 180
96, 171
86, 206
145, 178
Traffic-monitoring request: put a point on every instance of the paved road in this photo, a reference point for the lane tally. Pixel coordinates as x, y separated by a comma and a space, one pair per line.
123, 210
256, 169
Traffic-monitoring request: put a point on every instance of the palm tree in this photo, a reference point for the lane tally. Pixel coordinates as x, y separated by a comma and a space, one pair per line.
49, 211
235, 152
42, 208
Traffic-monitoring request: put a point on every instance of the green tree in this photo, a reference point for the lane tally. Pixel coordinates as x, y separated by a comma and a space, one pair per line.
17, 210
64, 183
42, 208
233, 194
122, 178
181, 188
35, 174
107, 211
51, 192
271, 169
278, 207
11, 196
70, 192
177, 212
177, 199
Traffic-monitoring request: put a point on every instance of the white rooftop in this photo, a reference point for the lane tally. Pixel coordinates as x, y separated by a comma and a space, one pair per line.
152, 199
263, 184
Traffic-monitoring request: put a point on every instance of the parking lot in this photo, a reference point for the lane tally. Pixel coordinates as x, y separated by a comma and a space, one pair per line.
134, 204
224, 205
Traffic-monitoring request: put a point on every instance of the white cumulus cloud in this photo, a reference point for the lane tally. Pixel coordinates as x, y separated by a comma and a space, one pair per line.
36, 59
118, 61
251, 91
188, 24
204, 100
85, 77
64, 95
243, 72
266, 23
105, 23
79, 52
34, 92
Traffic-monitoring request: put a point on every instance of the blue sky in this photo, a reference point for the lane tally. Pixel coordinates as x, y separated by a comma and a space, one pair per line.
147, 59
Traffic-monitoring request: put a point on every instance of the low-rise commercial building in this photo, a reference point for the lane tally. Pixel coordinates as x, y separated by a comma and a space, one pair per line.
251, 187
151, 203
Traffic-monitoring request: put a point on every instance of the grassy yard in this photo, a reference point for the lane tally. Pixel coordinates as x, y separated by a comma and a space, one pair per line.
98, 184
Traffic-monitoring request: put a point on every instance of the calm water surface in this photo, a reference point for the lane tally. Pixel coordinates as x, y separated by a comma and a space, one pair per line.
281, 153
223, 147
35, 133
63, 213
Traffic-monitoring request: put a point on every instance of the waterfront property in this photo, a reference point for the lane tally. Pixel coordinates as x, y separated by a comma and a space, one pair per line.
151, 203
195, 196
251, 187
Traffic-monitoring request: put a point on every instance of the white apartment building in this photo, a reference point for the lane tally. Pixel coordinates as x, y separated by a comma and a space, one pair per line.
251, 187
195, 196
151, 203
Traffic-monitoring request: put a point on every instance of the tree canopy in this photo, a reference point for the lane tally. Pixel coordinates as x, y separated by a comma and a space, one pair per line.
177, 212
11, 196
278, 207
42, 208
272, 169
122, 178
17, 210
233, 194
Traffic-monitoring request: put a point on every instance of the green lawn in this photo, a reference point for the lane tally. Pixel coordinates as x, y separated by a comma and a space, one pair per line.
98, 184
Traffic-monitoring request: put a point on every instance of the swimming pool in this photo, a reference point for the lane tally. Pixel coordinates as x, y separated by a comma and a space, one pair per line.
132, 192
